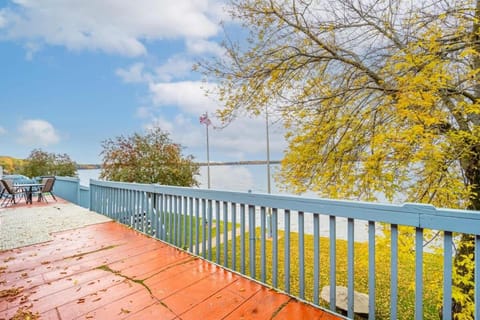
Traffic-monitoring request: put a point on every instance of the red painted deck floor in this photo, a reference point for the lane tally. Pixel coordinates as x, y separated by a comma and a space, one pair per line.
107, 271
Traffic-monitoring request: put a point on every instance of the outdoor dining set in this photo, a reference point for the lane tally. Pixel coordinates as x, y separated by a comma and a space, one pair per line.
14, 189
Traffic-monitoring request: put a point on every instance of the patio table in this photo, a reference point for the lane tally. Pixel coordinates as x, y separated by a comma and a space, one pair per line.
29, 188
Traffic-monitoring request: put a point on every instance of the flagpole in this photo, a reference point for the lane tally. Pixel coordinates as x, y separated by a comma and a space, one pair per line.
208, 154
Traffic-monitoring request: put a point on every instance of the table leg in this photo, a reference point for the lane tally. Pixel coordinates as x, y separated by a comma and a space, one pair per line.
29, 195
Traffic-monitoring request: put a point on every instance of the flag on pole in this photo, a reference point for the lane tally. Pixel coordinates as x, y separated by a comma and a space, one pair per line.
205, 120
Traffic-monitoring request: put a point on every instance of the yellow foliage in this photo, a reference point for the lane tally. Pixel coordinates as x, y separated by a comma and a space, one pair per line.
384, 105
11, 165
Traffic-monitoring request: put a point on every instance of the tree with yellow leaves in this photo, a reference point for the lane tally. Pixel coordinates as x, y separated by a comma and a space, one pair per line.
378, 97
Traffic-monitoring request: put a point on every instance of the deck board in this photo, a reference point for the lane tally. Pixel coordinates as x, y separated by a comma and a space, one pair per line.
108, 271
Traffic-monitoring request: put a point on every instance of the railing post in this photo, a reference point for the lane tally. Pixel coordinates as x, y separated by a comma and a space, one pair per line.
252, 237
447, 276
371, 270
286, 253
393, 271
477, 277
418, 273
301, 254
333, 263
351, 271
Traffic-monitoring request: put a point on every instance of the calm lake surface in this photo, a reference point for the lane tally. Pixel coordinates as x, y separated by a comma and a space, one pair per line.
253, 178
232, 178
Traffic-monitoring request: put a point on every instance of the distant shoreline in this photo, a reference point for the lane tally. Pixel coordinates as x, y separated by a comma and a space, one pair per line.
202, 164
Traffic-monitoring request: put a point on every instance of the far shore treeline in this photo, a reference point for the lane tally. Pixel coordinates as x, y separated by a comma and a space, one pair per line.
11, 164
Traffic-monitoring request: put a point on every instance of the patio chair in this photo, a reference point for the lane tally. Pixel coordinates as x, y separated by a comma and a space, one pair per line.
46, 189
10, 193
2, 192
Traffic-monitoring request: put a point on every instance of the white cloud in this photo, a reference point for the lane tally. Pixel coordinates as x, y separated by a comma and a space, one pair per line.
202, 46
176, 67
3, 19
189, 96
2, 130
37, 132
112, 26
134, 74
243, 139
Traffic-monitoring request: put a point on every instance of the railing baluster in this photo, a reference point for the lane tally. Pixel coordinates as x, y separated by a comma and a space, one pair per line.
120, 204
393, 271
316, 258
156, 216
161, 211
275, 247
204, 227
262, 245
242, 238
150, 200
175, 220
134, 210
418, 273
166, 217
114, 203
225, 234
210, 225
333, 263
107, 202
184, 216
139, 211
252, 236
144, 212
301, 254
126, 215
197, 226
447, 276
351, 271
371, 270
477, 277
217, 234
190, 223
287, 251
179, 221
234, 235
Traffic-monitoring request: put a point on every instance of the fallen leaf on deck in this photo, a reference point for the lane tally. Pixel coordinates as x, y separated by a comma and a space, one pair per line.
124, 311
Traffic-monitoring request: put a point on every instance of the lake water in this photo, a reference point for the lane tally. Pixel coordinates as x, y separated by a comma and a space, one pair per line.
253, 178
232, 178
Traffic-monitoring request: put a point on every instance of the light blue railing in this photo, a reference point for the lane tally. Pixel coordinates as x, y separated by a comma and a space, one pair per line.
69, 188
207, 222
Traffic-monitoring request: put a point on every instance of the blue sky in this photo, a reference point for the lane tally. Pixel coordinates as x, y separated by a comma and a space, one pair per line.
74, 73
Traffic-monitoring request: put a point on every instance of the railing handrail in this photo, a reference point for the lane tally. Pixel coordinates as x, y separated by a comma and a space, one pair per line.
407, 214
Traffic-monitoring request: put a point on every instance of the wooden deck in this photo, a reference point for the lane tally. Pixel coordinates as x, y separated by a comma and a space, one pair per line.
107, 271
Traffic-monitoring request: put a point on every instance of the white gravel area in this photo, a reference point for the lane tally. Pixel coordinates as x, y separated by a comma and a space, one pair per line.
31, 225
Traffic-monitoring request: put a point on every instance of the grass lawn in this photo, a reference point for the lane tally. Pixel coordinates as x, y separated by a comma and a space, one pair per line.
177, 229
433, 272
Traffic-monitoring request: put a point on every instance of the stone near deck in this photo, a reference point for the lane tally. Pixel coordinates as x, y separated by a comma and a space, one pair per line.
360, 300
